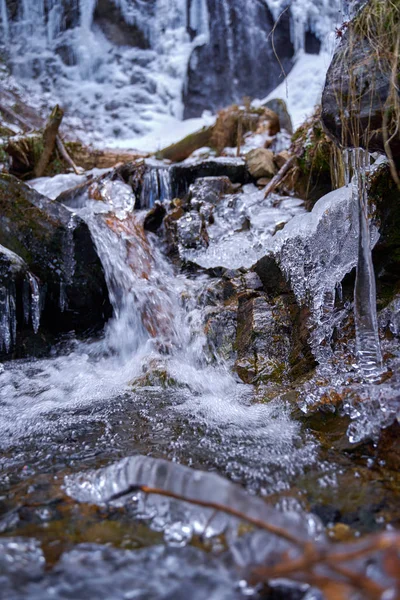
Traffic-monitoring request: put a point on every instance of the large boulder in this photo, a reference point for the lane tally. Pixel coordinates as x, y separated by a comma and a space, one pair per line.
59, 252
237, 49
360, 90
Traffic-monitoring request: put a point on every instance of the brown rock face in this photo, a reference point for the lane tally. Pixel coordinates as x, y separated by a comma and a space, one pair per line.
260, 163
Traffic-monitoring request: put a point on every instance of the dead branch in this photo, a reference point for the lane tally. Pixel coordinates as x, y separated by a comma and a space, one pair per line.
278, 531
334, 560
273, 184
49, 139
63, 151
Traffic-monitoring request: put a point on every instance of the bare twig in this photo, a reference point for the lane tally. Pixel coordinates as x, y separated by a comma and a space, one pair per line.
63, 151
273, 184
274, 529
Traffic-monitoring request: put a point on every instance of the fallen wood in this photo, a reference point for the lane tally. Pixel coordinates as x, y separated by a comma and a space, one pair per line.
49, 139
275, 181
184, 148
63, 151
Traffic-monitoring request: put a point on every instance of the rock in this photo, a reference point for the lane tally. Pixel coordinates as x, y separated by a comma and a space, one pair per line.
58, 250
210, 189
191, 231
154, 218
263, 181
260, 163
108, 16
184, 175
280, 108
262, 340
228, 66
357, 91
313, 177
234, 122
281, 158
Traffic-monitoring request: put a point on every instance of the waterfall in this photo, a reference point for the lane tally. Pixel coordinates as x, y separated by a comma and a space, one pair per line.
157, 185
368, 351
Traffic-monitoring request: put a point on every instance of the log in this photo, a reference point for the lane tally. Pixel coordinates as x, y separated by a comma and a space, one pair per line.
184, 148
49, 139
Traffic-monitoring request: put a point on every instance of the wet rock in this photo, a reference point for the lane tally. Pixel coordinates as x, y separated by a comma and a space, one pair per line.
221, 332
210, 189
58, 249
184, 175
191, 232
280, 108
260, 163
262, 339
109, 18
154, 218
228, 66
385, 195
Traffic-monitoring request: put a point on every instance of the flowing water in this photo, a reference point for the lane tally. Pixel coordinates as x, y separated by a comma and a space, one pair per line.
153, 385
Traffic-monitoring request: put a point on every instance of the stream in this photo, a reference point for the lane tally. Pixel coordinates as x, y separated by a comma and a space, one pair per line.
152, 385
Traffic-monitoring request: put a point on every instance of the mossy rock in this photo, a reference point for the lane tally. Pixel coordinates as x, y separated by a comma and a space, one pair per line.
313, 176
59, 251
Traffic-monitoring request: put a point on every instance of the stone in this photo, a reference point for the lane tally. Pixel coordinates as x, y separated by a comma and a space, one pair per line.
353, 118
154, 218
260, 163
210, 189
184, 175
280, 108
190, 230
228, 66
263, 339
59, 251
263, 181
281, 158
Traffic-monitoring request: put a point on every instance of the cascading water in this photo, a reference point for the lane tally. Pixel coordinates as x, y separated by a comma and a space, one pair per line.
155, 340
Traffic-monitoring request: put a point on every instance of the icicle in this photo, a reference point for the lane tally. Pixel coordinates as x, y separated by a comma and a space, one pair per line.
199, 18
35, 302
368, 351
8, 317
68, 251
26, 300
86, 10
63, 297
347, 163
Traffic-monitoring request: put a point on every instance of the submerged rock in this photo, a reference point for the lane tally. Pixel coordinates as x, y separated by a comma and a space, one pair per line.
59, 252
